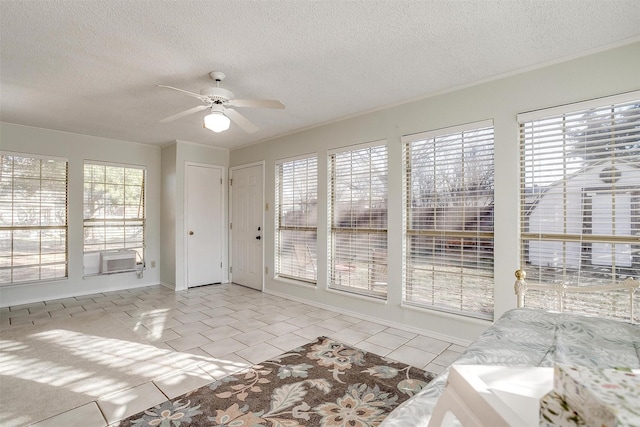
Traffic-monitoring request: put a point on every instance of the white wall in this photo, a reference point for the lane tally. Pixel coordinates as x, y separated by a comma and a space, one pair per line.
174, 158
168, 216
602, 74
78, 148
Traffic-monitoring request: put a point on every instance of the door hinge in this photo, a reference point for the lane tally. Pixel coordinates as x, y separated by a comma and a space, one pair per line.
266, 271
230, 226
220, 265
220, 181
230, 269
230, 181
266, 206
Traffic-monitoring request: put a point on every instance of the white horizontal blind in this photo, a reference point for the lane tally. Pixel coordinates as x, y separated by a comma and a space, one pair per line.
580, 202
33, 219
449, 220
114, 208
358, 215
297, 219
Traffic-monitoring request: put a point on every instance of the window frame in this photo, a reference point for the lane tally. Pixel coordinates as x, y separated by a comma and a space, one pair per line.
309, 254
39, 228
573, 180
376, 263
437, 234
120, 221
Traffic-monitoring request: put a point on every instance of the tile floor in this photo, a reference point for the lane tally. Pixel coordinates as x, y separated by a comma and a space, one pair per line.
219, 322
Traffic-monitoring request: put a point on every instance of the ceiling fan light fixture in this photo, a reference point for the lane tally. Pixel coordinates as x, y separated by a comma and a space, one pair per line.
217, 122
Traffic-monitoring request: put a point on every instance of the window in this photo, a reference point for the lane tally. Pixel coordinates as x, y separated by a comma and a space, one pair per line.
33, 218
580, 201
114, 209
358, 216
297, 219
449, 220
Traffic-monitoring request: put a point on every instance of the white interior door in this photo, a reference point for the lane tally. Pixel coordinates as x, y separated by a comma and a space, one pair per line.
204, 225
246, 226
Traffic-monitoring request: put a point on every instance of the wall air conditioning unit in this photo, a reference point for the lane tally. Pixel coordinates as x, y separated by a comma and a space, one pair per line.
117, 261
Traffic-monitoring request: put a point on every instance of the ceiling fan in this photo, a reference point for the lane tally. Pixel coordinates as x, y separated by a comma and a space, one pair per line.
219, 100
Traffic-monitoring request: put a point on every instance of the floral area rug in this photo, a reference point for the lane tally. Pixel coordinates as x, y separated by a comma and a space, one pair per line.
323, 383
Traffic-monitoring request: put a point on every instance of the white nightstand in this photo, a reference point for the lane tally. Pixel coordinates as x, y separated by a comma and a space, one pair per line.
492, 396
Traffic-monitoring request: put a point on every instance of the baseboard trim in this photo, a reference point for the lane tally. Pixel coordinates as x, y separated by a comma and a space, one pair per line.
431, 334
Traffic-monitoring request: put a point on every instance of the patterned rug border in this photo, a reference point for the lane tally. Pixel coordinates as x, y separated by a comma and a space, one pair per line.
322, 383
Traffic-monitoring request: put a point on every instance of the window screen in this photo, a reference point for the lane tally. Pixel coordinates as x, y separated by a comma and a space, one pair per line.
33, 219
114, 208
358, 215
580, 201
297, 219
449, 219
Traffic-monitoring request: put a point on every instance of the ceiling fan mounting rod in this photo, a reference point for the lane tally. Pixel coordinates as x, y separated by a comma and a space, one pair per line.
218, 76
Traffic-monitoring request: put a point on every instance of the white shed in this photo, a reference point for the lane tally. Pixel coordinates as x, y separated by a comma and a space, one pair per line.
595, 201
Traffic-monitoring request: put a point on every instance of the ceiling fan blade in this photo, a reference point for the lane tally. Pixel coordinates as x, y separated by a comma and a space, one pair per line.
257, 103
184, 113
195, 95
240, 120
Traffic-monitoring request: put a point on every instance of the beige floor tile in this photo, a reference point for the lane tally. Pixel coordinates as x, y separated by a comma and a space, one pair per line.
349, 319
350, 336
179, 383
254, 337
248, 325
245, 314
159, 321
155, 334
129, 402
197, 351
221, 332
429, 344
273, 317
446, 358
47, 307
412, 356
303, 321
268, 308
218, 311
280, 328
312, 332
387, 340
334, 324
220, 367
88, 415
223, 346
191, 328
373, 348
187, 342
457, 348
191, 317
219, 321
368, 327
259, 352
401, 333
118, 308
242, 306
193, 308
225, 329
322, 314
434, 368
288, 342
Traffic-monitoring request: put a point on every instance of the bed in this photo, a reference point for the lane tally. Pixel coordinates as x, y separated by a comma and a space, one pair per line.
531, 337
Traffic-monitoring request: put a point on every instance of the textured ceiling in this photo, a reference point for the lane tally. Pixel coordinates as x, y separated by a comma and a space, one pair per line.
92, 67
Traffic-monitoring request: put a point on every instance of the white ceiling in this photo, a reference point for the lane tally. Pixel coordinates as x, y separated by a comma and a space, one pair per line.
91, 67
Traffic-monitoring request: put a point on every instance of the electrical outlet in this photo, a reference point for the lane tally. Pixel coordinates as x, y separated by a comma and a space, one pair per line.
153, 264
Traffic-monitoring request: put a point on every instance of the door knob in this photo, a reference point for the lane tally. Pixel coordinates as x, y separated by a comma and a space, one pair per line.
190, 233
258, 237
